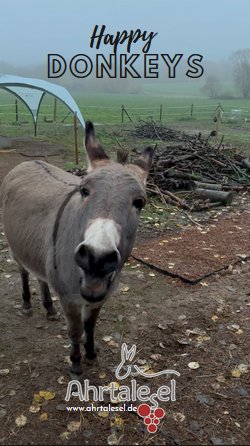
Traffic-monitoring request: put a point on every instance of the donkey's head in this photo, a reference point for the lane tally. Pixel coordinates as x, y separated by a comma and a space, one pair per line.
113, 195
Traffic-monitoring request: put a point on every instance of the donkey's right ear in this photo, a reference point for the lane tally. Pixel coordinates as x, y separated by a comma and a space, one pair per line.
94, 149
145, 161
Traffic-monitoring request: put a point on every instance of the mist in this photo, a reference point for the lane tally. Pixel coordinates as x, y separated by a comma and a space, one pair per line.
31, 30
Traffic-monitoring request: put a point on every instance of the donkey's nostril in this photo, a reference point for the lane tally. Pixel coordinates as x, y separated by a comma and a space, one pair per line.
82, 251
110, 261
111, 257
83, 256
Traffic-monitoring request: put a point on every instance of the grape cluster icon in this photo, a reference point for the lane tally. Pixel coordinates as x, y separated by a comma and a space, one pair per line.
151, 418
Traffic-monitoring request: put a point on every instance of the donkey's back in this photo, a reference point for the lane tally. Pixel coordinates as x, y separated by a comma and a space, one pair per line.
32, 177
32, 193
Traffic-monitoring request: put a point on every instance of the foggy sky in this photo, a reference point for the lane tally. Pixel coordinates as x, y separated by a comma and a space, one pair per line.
30, 29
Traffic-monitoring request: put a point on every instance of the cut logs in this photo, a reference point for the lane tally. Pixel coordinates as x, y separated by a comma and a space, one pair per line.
202, 174
215, 195
209, 186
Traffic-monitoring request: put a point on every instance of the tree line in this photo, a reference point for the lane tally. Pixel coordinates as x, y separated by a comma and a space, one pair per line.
240, 60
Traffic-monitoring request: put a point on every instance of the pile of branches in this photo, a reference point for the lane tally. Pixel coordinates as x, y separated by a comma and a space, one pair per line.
194, 174
152, 130
191, 173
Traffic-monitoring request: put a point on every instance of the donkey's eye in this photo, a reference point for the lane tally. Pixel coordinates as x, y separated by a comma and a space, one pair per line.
84, 192
139, 203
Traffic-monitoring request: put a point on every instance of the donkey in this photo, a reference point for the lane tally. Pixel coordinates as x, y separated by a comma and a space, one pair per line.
73, 233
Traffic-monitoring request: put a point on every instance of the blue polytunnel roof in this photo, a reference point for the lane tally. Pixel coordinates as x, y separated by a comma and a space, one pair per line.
31, 92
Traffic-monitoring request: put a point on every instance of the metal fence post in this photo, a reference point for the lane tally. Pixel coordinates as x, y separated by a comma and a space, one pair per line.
55, 107
16, 107
76, 142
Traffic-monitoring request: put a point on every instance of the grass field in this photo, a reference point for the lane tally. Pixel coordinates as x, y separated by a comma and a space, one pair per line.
182, 107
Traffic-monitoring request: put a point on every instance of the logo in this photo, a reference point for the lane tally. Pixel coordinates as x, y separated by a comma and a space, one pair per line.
148, 408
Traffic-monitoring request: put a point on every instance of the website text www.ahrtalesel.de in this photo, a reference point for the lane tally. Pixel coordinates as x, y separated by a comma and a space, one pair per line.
107, 408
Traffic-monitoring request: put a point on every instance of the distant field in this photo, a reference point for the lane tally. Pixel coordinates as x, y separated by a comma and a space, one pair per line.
179, 104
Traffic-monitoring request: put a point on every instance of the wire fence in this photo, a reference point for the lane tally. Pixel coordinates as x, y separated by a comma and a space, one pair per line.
16, 113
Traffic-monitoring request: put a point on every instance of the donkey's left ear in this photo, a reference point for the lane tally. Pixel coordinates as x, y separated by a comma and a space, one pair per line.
145, 160
93, 146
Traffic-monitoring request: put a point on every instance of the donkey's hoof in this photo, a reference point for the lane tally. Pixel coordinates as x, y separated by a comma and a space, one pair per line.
92, 361
76, 368
91, 357
91, 354
27, 311
53, 317
52, 314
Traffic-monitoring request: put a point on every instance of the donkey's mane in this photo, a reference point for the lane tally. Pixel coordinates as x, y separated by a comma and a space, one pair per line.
48, 171
57, 221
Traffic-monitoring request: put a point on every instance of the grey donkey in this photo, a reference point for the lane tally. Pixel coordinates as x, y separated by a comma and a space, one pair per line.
73, 233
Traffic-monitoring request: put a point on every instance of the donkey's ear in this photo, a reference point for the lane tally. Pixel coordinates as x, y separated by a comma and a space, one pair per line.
145, 160
122, 156
94, 149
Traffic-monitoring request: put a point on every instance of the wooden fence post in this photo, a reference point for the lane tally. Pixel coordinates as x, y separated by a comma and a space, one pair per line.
160, 112
218, 121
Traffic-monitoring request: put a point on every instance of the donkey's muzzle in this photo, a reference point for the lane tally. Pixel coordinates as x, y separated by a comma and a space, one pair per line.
89, 297
99, 265
98, 271
95, 291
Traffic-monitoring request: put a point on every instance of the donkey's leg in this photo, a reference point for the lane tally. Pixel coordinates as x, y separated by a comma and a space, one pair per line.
75, 324
26, 289
89, 327
76, 328
47, 301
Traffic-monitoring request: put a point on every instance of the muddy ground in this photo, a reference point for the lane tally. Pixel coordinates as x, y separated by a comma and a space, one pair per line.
172, 324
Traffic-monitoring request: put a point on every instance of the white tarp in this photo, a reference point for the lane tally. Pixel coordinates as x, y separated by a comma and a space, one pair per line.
31, 92
31, 97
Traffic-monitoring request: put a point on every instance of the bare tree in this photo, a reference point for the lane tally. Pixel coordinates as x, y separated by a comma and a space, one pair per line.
212, 87
241, 71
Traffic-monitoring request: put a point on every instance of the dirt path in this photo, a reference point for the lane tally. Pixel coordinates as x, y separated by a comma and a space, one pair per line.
25, 149
194, 253
172, 324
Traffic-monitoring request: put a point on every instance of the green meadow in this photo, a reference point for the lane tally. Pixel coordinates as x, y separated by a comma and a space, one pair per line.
179, 105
